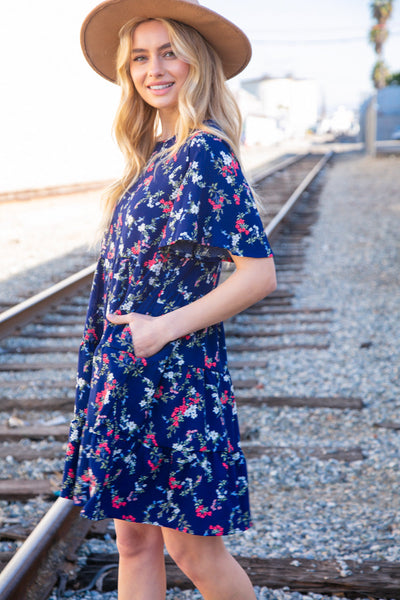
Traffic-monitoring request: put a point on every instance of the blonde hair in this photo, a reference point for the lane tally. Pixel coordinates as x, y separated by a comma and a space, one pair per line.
204, 96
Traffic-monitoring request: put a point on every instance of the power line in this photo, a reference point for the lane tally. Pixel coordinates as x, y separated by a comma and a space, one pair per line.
349, 31
304, 41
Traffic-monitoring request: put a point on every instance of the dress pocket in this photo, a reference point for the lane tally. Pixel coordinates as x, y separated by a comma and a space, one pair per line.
123, 386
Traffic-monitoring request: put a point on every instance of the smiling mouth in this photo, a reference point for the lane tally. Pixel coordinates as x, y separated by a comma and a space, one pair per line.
160, 87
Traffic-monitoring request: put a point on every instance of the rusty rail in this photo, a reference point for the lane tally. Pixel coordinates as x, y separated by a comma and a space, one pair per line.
275, 224
25, 311
33, 570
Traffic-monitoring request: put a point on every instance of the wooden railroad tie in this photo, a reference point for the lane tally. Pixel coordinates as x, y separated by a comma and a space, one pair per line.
260, 334
340, 402
38, 366
36, 487
346, 455
23, 489
380, 579
246, 347
36, 432
66, 402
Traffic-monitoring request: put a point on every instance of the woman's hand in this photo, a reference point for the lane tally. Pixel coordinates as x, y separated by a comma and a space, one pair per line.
148, 333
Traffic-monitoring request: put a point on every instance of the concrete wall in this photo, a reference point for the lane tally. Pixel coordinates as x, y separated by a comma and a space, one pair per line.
388, 113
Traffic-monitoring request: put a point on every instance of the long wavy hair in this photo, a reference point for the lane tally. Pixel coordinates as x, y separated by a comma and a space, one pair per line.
204, 97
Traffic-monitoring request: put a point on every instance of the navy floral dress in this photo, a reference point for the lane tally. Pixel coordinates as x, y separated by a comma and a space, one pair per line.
156, 440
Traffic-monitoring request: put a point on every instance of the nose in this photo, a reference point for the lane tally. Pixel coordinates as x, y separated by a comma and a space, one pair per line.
155, 67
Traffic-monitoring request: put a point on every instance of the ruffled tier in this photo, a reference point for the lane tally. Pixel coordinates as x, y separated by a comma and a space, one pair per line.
161, 441
204, 493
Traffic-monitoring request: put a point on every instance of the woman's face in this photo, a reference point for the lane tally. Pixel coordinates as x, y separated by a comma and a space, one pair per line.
157, 74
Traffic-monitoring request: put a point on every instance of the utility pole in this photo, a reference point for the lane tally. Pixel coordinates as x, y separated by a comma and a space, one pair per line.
370, 125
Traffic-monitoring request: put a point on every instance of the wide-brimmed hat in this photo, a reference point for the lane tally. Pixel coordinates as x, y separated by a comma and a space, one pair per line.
100, 31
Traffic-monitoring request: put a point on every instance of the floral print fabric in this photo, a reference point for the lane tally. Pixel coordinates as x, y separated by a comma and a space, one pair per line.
156, 440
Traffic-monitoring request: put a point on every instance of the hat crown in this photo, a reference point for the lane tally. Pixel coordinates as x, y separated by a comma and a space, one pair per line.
100, 31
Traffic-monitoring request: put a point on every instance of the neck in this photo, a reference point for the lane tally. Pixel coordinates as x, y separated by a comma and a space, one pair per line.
166, 135
168, 123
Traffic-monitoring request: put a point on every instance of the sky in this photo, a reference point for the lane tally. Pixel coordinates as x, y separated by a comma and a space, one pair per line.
56, 113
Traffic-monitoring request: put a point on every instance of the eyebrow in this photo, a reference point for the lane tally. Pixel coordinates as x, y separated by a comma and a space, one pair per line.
163, 47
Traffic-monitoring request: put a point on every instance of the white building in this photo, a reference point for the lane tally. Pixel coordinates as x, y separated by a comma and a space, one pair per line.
287, 107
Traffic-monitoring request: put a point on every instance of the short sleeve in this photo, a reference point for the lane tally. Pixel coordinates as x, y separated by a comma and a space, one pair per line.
213, 211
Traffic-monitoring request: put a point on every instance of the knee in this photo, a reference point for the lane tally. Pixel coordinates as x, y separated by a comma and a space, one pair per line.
196, 561
189, 563
135, 539
181, 556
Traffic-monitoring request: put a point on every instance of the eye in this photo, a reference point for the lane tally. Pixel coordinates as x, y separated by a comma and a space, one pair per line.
139, 58
169, 54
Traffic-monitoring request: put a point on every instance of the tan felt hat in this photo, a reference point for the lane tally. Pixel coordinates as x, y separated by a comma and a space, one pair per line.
100, 31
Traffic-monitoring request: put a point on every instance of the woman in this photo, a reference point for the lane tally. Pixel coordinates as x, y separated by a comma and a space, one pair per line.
154, 442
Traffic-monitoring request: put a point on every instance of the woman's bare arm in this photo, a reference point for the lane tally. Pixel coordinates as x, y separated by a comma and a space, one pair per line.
253, 279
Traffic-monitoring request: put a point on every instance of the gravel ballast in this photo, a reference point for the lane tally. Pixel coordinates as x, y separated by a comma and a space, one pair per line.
304, 506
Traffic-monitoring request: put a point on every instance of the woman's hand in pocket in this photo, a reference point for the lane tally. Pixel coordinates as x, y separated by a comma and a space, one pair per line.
148, 333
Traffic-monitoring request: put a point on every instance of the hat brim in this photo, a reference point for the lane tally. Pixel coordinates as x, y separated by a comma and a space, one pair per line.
100, 32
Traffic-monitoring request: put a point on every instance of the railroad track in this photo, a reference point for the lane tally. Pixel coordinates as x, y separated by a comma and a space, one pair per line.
274, 324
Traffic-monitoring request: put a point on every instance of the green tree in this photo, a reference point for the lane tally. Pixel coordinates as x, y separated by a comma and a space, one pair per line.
381, 12
393, 79
380, 74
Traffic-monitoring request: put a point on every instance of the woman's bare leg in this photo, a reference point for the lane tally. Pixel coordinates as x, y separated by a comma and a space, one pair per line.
207, 562
141, 572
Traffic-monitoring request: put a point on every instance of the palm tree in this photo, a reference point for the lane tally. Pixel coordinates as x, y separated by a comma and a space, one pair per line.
378, 36
380, 75
381, 11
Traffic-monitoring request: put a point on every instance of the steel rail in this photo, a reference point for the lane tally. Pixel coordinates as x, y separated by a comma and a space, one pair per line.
255, 174
261, 172
25, 311
17, 577
276, 222
22, 571
55, 190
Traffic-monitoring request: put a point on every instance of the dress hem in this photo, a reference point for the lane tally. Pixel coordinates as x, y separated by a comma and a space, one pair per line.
211, 531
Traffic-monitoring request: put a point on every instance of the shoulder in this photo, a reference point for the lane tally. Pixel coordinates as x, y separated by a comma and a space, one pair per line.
209, 150
205, 141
